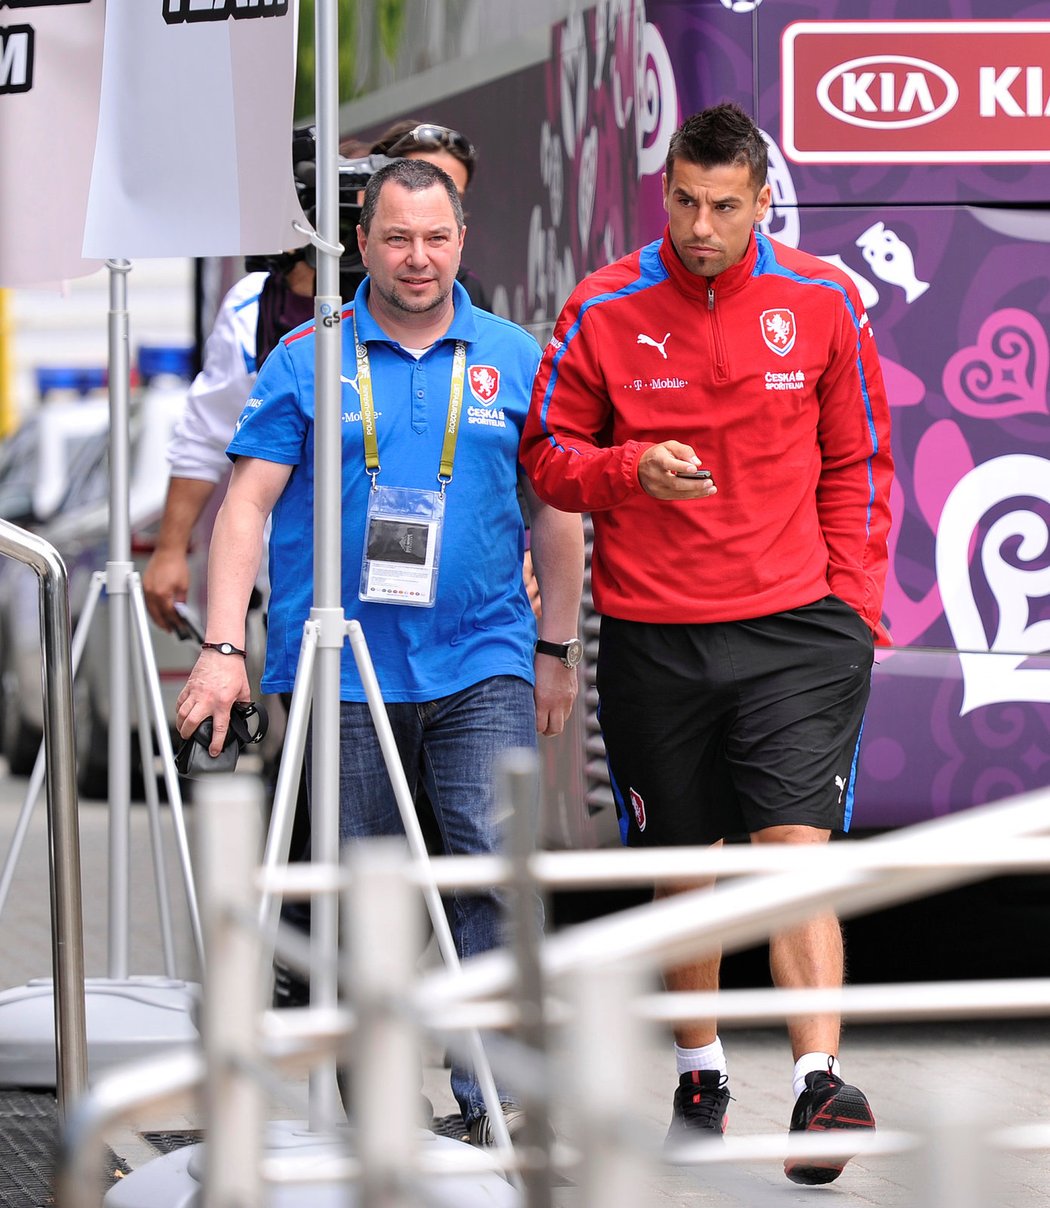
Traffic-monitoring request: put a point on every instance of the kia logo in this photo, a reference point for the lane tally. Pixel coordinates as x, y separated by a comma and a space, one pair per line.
883, 92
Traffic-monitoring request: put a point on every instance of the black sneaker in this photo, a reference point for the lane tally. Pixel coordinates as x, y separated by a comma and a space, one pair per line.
700, 1104
481, 1133
290, 988
826, 1104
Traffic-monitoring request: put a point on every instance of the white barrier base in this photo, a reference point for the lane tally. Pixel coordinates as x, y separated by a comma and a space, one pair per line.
127, 1020
174, 1180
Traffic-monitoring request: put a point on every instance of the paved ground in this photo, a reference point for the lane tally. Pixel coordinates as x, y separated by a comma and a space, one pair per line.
25, 936
996, 1072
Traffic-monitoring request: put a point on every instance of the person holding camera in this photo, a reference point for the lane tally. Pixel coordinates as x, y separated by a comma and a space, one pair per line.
715, 401
432, 544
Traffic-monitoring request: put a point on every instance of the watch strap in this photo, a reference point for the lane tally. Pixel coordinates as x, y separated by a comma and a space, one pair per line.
568, 653
224, 648
555, 649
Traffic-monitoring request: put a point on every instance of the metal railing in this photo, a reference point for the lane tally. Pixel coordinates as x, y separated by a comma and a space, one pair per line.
590, 984
67, 925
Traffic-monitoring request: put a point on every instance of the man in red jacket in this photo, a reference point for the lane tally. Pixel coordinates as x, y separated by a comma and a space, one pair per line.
715, 401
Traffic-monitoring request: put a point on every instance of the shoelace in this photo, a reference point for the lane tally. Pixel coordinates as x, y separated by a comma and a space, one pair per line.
824, 1083
704, 1107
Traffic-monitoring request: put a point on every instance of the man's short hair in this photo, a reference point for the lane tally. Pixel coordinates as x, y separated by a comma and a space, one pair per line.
416, 175
716, 137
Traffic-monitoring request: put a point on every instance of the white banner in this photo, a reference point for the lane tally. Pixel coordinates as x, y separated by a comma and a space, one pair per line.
50, 72
194, 136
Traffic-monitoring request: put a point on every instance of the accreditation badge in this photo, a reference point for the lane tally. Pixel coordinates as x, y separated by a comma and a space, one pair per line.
403, 530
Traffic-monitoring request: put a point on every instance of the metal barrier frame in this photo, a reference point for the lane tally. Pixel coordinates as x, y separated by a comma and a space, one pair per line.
590, 978
67, 924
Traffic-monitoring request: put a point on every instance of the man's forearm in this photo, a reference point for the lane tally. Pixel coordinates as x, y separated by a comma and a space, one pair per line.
557, 556
233, 567
237, 544
187, 498
166, 578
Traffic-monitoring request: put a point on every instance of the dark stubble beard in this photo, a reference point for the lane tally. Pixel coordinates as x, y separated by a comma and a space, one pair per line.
394, 300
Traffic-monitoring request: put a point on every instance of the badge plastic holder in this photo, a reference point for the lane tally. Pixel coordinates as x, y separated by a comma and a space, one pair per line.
402, 554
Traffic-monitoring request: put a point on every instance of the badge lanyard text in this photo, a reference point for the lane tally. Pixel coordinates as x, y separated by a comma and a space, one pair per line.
403, 525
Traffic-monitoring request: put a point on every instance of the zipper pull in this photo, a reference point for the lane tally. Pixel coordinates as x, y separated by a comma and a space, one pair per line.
710, 297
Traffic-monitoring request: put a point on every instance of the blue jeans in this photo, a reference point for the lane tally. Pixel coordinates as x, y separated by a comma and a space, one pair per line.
450, 745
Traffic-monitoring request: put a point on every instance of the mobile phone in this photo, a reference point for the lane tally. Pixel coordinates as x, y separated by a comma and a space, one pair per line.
694, 474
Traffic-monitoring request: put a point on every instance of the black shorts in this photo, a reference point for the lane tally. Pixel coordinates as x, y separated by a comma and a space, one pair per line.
728, 728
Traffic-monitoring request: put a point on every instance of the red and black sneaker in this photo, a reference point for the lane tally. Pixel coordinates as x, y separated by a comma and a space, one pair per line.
700, 1104
826, 1104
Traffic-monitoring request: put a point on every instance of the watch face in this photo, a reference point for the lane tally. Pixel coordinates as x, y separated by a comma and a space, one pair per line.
573, 652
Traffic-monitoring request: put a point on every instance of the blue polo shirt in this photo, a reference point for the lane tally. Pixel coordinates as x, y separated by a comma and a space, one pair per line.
482, 624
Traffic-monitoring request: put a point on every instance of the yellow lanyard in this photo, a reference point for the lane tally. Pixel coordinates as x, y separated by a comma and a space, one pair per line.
368, 411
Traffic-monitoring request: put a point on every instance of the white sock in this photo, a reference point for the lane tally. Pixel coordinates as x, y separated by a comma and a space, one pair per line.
707, 1057
807, 1064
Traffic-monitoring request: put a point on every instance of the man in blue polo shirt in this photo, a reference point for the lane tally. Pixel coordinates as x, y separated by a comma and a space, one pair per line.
432, 543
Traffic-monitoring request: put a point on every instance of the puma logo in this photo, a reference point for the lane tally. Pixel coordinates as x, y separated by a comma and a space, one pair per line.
840, 784
657, 344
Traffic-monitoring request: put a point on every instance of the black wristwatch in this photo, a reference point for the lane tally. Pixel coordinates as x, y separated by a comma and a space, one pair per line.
224, 648
569, 652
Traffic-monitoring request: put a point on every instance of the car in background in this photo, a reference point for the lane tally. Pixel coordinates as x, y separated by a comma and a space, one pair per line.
36, 466
36, 460
79, 530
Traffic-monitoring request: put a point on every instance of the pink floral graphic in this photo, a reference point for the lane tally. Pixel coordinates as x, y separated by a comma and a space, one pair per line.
1005, 373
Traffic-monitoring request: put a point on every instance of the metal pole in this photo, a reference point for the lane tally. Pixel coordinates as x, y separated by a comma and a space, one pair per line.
36, 778
956, 1164
67, 925
328, 602
518, 786
227, 855
282, 813
160, 875
118, 568
605, 1049
381, 921
137, 604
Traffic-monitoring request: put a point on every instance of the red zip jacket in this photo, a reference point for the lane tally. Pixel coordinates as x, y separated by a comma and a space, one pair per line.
770, 372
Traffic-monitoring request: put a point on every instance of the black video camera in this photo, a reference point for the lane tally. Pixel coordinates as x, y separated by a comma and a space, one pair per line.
354, 175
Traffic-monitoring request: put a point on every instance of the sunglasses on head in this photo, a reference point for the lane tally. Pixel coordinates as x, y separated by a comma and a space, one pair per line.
430, 137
